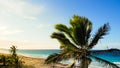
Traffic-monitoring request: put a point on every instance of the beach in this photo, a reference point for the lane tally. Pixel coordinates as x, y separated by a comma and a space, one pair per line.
59, 34
31, 62
36, 58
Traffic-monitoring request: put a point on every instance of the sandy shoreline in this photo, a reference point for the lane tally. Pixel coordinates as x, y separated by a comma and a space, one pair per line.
34, 62
39, 63
30, 62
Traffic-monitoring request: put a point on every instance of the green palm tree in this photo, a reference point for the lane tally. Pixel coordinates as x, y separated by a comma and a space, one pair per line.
15, 59
13, 50
76, 43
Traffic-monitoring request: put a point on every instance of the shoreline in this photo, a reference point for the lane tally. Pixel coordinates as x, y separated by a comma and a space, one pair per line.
30, 62
33, 62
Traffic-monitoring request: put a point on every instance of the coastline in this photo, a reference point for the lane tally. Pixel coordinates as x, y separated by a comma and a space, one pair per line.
32, 62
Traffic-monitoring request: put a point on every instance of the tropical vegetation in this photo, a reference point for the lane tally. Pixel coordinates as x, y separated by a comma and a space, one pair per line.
76, 42
10, 61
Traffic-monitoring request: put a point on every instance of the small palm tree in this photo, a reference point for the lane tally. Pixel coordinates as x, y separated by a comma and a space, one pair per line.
76, 43
13, 50
15, 58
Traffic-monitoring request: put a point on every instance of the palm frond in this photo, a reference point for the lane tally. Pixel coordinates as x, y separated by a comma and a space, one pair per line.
66, 30
76, 54
101, 32
65, 43
105, 62
81, 29
89, 29
53, 58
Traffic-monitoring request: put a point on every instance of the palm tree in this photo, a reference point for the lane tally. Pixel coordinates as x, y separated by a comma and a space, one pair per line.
15, 58
13, 50
76, 43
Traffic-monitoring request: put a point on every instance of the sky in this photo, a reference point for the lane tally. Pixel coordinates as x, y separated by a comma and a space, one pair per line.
28, 24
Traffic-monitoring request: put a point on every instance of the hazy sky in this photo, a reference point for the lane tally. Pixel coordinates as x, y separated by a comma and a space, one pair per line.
28, 24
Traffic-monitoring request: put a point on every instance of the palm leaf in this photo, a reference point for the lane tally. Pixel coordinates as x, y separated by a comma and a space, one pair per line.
65, 43
105, 62
76, 54
101, 32
53, 58
81, 29
66, 30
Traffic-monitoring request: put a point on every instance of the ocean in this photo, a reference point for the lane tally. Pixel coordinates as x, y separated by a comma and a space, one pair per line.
110, 56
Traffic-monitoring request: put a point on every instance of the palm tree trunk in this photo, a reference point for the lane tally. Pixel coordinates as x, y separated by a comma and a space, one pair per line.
84, 63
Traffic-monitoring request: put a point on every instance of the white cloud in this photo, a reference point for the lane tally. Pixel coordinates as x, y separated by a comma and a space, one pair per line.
11, 32
13, 10
4, 30
43, 25
20, 8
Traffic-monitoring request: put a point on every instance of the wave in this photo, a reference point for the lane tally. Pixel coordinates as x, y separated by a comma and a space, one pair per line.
92, 66
117, 63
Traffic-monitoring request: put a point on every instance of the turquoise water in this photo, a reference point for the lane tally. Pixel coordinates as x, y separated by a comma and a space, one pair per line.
110, 56
37, 53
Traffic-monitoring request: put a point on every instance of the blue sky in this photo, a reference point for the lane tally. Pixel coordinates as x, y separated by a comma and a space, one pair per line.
28, 24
